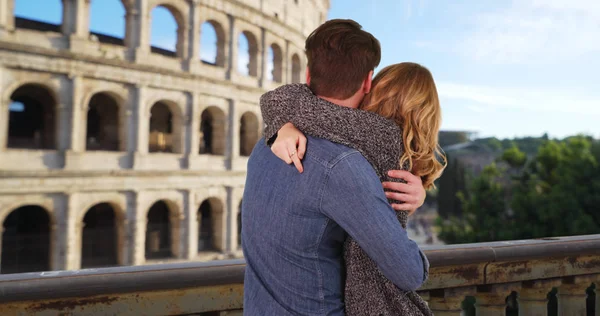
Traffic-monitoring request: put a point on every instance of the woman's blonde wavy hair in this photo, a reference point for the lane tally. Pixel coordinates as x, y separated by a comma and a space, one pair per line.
406, 93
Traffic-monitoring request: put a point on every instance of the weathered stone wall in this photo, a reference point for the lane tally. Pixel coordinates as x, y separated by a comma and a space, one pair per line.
71, 66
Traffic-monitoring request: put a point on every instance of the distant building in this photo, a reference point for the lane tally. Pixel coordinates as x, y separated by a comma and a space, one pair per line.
113, 152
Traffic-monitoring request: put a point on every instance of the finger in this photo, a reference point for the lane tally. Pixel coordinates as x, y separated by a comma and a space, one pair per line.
282, 154
404, 175
402, 197
294, 157
301, 147
402, 207
398, 186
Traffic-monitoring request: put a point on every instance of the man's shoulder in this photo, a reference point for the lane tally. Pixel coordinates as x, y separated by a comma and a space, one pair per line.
329, 153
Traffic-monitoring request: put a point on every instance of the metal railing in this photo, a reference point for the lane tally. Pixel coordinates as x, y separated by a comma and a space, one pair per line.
485, 272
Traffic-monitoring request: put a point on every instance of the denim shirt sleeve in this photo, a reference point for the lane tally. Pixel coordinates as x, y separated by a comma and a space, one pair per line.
353, 197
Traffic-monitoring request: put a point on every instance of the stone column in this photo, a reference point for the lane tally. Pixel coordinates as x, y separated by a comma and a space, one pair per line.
75, 24
138, 29
231, 64
191, 225
491, 301
194, 31
4, 121
572, 296
138, 231
7, 18
78, 116
448, 302
141, 124
262, 59
176, 220
233, 134
533, 297
234, 196
193, 138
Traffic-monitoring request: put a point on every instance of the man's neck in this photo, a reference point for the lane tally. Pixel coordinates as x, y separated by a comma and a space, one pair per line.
352, 102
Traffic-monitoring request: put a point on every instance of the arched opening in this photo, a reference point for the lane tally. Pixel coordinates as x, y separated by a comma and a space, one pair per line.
296, 70
99, 237
212, 131
166, 34
26, 240
158, 232
248, 133
32, 118
247, 54
103, 123
275, 66
161, 128
212, 44
39, 15
107, 21
239, 226
208, 221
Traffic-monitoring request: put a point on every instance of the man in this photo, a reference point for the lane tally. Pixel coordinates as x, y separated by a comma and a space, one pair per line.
295, 224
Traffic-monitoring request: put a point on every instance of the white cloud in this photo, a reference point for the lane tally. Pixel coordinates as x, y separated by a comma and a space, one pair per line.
535, 31
523, 99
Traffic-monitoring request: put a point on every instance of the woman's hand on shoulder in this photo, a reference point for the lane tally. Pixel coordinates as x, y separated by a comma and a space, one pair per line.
290, 145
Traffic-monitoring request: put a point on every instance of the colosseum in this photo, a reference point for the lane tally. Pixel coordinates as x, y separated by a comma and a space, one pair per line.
116, 152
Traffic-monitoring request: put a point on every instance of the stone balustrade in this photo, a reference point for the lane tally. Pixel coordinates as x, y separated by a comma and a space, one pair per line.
489, 272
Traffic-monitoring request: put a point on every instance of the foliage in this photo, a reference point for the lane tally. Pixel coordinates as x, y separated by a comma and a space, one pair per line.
556, 193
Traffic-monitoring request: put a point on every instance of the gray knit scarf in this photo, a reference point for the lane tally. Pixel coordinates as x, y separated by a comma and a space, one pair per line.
367, 291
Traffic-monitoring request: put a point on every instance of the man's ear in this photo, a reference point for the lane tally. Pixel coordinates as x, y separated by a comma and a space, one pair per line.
368, 82
307, 76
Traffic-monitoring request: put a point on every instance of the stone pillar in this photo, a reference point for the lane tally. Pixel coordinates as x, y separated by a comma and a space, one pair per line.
533, 297
142, 119
448, 302
262, 59
138, 231
176, 220
7, 18
572, 296
193, 138
191, 225
75, 24
193, 53
233, 135
4, 120
78, 116
234, 197
491, 301
231, 64
138, 29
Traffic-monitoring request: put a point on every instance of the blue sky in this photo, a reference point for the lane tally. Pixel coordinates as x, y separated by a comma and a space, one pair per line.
503, 68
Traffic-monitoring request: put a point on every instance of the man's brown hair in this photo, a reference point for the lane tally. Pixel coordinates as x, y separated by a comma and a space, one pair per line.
340, 55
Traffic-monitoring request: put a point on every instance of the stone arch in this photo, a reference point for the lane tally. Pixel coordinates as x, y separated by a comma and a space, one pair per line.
176, 12
249, 133
104, 123
248, 56
161, 228
210, 222
44, 16
165, 127
119, 9
101, 235
213, 131
296, 69
32, 117
213, 43
26, 240
276, 63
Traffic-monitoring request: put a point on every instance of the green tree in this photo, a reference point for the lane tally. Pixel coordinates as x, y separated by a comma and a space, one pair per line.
557, 193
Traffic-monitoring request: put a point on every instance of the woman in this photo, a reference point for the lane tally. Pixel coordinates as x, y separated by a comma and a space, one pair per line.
397, 125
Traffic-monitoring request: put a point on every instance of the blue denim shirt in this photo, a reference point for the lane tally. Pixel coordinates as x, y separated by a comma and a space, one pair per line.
294, 226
